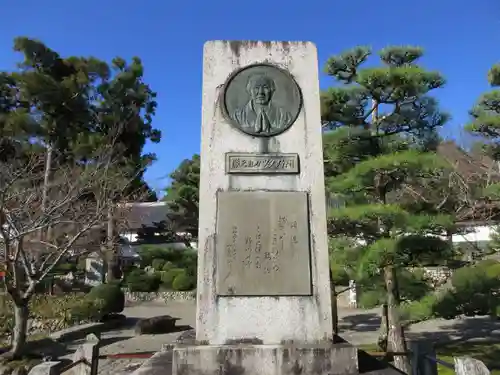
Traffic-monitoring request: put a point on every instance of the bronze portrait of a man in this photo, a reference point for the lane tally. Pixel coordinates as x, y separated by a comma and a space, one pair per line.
260, 115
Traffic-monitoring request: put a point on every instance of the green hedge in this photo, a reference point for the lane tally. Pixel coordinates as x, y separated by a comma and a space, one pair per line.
140, 281
476, 291
412, 287
157, 264
168, 277
184, 282
111, 294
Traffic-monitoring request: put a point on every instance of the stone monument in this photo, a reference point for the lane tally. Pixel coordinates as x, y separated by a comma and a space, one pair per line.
263, 295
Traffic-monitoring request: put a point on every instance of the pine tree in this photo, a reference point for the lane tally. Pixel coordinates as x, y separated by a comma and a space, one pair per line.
183, 195
67, 125
486, 124
382, 125
124, 107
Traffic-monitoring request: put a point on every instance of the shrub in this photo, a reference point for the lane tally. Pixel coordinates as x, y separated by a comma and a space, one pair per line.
188, 261
418, 311
448, 307
88, 310
129, 268
150, 252
371, 299
412, 287
140, 281
112, 295
475, 291
183, 282
157, 264
339, 275
168, 277
167, 266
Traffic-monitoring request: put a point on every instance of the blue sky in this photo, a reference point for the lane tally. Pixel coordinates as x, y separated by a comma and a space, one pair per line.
461, 39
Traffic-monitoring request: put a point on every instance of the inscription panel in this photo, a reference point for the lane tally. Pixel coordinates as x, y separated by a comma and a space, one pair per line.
245, 163
262, 244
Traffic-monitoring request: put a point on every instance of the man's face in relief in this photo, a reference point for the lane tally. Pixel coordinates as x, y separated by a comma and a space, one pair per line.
261, 90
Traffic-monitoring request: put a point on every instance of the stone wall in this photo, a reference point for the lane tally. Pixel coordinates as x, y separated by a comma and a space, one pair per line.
437, 276
134, 297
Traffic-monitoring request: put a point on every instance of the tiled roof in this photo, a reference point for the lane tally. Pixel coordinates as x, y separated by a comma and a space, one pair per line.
144, 213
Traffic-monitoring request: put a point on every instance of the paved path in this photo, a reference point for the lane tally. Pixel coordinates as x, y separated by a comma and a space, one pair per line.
356, 326
130, 343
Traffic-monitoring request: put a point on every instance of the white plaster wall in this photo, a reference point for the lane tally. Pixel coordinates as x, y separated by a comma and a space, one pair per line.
270, 319
476, 234
132, 238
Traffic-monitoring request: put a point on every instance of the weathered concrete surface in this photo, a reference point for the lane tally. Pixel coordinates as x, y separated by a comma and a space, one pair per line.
338, 359
159, 364
270, 319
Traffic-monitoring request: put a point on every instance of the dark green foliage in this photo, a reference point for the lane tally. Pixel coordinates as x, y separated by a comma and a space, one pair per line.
182, 196
379, 167
126, 269
112, 296
157, 264
182, 258
141, 281
475, 291
183, 282
486, 124
124, 114
168, 266
69, 122
371, 298
412, 286
339, 275
150, 252
344, 253
189, 262
377, 159
169, 276
423, 309
89, 310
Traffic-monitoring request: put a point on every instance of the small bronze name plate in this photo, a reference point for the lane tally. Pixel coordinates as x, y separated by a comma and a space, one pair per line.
245, 163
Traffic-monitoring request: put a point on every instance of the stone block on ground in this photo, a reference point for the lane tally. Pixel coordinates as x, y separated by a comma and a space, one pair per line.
155, 325
158, 364
331, 359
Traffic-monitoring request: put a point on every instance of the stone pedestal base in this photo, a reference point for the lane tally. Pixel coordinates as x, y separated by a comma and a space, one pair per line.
246, 359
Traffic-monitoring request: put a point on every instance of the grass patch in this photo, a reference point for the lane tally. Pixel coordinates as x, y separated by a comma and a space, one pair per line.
487, 352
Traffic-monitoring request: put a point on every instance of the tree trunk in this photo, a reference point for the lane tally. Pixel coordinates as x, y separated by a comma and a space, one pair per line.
21, 314
111, 256
335, 316
395, 339
382, 336
44, 232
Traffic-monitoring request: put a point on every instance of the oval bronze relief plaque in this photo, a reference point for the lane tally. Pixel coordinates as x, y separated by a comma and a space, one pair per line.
261, 100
